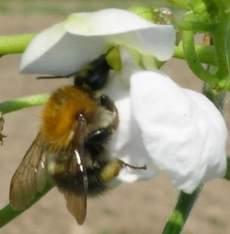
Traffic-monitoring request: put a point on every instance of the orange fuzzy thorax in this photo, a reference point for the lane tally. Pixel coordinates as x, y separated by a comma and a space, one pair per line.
59, 117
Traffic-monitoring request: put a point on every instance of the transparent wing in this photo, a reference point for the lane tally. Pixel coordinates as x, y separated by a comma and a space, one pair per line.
76, 194
30, 177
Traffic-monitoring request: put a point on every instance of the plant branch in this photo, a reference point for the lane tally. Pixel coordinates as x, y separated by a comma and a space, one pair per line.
23, 102
14, 44
227, 175
193, 60
206, 54
7, 213
181, 212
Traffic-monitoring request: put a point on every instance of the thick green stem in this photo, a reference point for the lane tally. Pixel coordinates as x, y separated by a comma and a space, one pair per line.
23, 102
227, 175
193, 60
181, 212
190, 24
205, 54
7, 213
14, 44
221, 41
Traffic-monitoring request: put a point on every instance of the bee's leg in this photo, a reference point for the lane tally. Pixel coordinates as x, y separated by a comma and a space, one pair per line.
106, 102
101, 135
112, 169
96, 139
109, 105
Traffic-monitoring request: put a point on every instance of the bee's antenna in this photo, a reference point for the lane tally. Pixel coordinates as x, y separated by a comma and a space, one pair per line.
53, 77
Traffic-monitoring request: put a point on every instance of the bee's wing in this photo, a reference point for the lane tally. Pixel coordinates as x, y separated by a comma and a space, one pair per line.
30, 177
76, 198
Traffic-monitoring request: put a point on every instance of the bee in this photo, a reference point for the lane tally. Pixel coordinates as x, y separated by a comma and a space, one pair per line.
70, 148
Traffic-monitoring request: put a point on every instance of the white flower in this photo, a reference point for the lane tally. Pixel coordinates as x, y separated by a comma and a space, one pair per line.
163, 126
65, 47
168, 128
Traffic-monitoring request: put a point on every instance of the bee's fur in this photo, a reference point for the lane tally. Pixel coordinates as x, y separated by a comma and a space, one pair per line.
58, 124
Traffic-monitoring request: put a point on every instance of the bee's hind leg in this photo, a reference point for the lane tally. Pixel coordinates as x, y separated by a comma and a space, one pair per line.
113, 167
106, 102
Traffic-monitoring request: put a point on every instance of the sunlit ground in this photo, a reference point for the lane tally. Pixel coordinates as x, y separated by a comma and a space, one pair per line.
140, 208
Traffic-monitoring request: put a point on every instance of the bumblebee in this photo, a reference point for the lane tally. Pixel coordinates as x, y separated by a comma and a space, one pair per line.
70, 147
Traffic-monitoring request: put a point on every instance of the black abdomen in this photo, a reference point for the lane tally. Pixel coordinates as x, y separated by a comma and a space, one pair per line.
74, 183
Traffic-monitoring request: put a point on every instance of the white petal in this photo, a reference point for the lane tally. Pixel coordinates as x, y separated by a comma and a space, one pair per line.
126, 143
118, 26
214, 146
180, 130
64, 48
57, 52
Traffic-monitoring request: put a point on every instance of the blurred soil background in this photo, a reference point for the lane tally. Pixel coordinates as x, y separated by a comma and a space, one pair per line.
140, 208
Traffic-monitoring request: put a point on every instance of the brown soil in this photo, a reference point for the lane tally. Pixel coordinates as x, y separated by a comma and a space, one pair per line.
140, 208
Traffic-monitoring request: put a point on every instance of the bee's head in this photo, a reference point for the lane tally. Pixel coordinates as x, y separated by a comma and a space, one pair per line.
95, 75
92, 77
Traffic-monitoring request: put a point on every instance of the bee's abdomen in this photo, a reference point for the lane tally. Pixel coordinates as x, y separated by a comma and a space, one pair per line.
73, 182
69, 182
96, 185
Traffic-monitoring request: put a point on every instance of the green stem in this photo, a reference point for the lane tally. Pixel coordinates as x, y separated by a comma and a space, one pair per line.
193, 60
181, 212
17, 44
227, 175
186, 202
220, 42
7, 213
14, 44
189, 24
23, 102
205, 54
217, 98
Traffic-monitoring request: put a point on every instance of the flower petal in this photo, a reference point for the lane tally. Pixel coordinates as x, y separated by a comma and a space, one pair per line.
122, 27
126, 143
57, 52
214, 146
183, 132
65, 47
